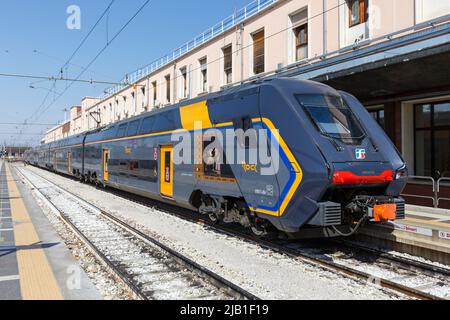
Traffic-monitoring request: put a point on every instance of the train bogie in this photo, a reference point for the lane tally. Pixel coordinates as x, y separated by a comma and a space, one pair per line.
288, 155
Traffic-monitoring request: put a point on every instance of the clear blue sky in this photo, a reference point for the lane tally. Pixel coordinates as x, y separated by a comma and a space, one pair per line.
34, 40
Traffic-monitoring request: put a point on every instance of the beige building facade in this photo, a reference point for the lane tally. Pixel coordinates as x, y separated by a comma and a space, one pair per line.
393, 55
275, 35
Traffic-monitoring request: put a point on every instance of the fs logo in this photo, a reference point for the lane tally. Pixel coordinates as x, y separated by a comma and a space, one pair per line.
360, 154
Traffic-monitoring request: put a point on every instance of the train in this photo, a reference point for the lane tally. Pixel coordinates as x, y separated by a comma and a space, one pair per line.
331, 167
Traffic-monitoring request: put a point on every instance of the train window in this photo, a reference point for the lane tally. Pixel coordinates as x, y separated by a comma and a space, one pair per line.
133, 128
148, 170
215, 161
249, 139
122, 130
109, 133
332, 117
147, 125
165, 121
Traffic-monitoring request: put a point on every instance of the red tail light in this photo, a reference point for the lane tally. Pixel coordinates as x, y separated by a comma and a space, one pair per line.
349, 178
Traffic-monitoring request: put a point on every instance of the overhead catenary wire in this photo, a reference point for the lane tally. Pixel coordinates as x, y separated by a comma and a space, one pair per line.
241, 49
51, 78
84, 69
28, 124
88, 34
76, 51
190, 72
98, 55
43, 102
52, 57
27, 134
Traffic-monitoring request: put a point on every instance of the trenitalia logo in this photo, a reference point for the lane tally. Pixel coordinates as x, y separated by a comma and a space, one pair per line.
360, 154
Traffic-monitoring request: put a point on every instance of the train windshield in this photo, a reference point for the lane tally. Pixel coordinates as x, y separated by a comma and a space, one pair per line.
332, 116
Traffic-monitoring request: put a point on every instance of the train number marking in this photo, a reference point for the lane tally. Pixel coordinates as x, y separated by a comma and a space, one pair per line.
167, 174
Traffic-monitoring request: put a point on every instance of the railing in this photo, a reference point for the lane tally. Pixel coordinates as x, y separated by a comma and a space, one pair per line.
434, 198
439, 199
436, 185
251, 10
239, 16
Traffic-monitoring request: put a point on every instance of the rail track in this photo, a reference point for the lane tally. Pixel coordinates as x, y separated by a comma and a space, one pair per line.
407, 277
150, 269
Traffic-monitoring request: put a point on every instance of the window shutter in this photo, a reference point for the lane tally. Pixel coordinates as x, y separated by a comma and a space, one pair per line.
258, 52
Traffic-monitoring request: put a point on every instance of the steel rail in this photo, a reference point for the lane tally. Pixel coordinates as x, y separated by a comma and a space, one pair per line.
212, 277
99, 255
417, 265
189, 215
282, 249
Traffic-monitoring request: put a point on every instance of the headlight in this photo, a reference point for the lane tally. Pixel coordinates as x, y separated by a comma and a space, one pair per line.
401, 173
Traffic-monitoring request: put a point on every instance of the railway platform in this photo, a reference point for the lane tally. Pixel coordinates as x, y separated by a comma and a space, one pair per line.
35, 264
425, 233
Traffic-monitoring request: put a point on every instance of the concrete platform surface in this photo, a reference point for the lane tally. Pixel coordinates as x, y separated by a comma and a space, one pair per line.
34, 262
425, 232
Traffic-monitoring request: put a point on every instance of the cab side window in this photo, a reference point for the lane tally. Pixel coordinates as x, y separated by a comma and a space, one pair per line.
246, 125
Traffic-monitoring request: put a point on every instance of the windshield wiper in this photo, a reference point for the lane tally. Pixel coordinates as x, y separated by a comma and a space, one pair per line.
333, 141
375, 146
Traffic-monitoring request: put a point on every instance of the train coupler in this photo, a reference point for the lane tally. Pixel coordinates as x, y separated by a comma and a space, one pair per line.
379, 209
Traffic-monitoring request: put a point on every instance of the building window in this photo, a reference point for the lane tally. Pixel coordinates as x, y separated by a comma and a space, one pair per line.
155, 93
125, 111
133, 101
299, 38
301, 42
378, 115
431, 9
203, 75
258, 52
357, 12
432, 140
168, 94
144, 97
228, 64
183, 80
116, 108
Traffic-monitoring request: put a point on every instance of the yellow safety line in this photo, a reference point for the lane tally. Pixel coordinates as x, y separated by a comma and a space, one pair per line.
37, 281
437, 223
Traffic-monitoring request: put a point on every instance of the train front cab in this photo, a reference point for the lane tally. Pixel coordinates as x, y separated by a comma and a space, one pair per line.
350, 172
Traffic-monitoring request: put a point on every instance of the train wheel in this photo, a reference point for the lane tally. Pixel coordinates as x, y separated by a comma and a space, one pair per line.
258, 228
213, 218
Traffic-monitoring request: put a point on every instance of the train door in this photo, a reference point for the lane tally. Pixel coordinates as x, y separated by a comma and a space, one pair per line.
69, 162
105, 165
166, 171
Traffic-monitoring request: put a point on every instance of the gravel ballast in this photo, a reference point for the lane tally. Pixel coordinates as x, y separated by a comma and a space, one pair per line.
262, 272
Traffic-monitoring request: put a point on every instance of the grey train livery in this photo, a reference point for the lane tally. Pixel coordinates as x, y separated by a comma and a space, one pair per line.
337, 169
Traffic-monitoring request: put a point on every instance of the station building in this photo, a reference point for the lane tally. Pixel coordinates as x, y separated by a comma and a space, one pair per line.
393, 55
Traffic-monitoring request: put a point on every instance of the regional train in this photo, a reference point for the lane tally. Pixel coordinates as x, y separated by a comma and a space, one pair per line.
336, 171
